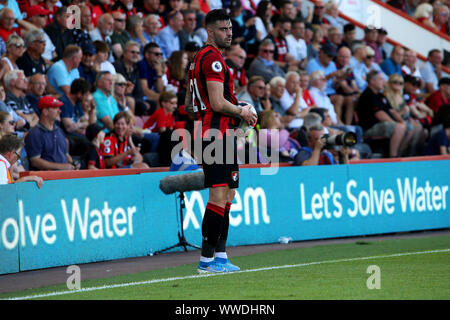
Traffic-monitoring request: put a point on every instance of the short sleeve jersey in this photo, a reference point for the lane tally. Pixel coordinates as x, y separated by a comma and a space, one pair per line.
112, 147
209, 65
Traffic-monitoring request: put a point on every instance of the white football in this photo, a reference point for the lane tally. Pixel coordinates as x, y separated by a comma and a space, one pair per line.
243, 125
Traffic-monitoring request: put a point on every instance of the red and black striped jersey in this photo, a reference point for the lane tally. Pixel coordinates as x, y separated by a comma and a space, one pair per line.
209, 65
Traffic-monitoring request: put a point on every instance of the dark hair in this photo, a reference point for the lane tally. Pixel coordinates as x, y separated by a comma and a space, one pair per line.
349, 27
122, 114
166, 96
101, 46
216, 15
80, 85
10, 142
150, 46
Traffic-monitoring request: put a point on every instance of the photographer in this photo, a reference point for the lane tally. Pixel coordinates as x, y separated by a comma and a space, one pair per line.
316, 153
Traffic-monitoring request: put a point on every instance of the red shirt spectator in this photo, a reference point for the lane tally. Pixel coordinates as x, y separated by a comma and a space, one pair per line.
163, 119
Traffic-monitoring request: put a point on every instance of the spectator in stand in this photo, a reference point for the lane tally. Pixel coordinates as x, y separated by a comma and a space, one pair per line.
393, 64
176, 74
32, 62
10, 149
162, 119
263, 19
264, 65
81, 35
124, 102
89, 108
363, 68
8, 127
124, 6
151, 28
62, 73
94, 159
118, 148
36, 90
304, 84
127, 66
414, 130
37, 16
439, 97
7, 21
58, 32
318, 13
331, 15
281, 55
72, 121
168, 36
235, 59
119, 36
106, 105
46, 144
87, 68
171, 6
318, 93
152, 7
254, 93
135, 28
243, 23
15, 47
324, 62
334, 37
22, 125
101, 58
277, 89
377, 117
424, 14
410, 67
431, 71
370, 39
419, 110
151, 72
292, 100
440, 19
407, 6
16, 87
286, 11
358, 53
346, 86
313, 47
296, 44
187, 34
349, 35
381, 41
52, 7
104, 31
99, 7
439, 143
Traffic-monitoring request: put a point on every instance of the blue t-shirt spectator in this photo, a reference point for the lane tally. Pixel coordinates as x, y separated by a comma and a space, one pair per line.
389, 67
47, 144
58, 76
106, 106
69, 110
314, 65
148, 73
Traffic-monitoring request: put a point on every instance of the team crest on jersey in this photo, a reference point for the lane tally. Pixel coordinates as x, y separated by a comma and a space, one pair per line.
107, 143
216, 66
235, 175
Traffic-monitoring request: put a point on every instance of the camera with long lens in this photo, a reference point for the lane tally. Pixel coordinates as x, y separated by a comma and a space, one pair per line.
346, 139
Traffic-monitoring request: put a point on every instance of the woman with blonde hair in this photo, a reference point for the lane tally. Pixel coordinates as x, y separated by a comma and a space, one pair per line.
414, 131
121, 90
424, 14
15, 47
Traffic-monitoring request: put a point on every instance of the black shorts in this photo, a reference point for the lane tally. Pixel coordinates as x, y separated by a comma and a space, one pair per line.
224, 170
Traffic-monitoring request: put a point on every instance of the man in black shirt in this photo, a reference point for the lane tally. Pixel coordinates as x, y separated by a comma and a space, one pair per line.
31, 62
378, 118
58, 32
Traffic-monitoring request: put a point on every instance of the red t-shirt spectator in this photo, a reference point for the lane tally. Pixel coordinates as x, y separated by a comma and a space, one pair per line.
6, 33
160, 119
436, 100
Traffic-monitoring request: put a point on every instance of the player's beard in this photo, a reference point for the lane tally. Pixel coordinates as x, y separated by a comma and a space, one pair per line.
222, 43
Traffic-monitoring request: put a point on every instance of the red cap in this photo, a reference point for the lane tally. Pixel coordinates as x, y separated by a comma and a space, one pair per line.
49, 102
37, 10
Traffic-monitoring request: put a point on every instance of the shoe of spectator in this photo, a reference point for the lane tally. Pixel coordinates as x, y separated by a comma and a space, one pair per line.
229, 267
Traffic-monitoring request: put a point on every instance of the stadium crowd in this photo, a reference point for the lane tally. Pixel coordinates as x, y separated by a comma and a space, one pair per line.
105, 88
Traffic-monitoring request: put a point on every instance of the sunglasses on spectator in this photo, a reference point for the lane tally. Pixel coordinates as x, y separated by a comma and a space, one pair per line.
158, 54
268, 51
119, 20
12, 122
18, 46
396, 82
370, 57
121, 84
133, 51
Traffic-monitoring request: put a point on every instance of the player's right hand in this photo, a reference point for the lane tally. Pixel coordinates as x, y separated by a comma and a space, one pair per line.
248, 115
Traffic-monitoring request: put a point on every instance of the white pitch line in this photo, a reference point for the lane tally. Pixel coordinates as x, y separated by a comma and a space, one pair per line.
129, 284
